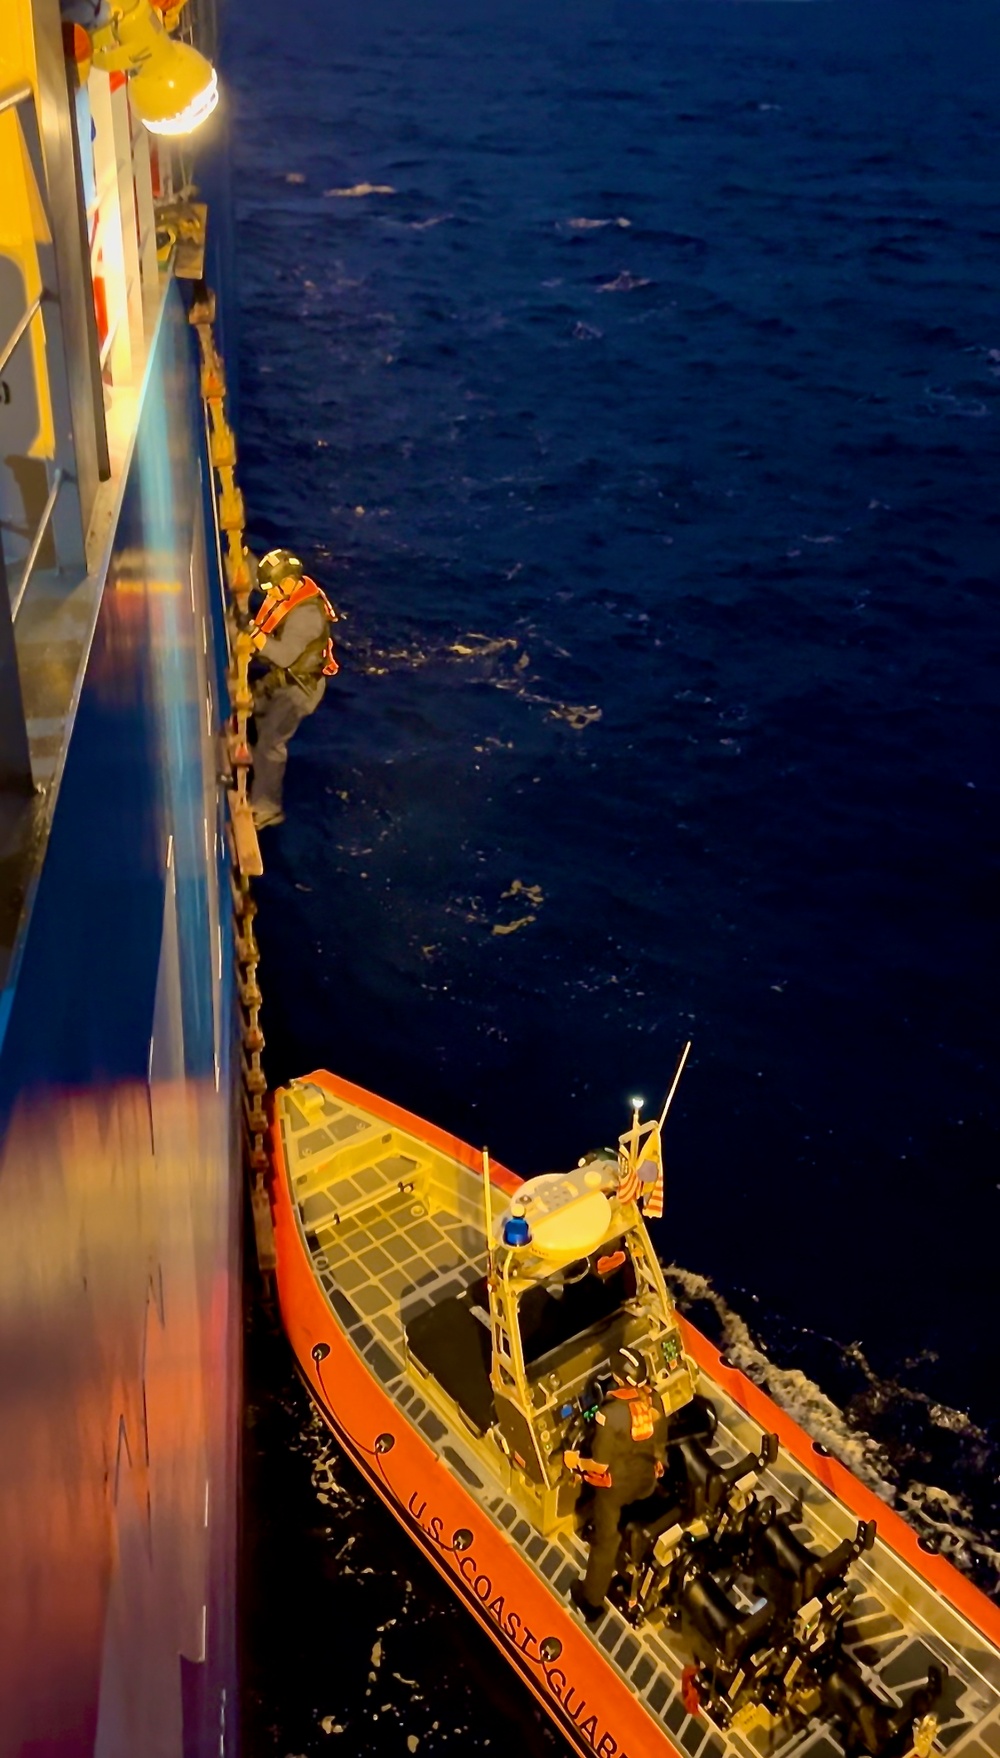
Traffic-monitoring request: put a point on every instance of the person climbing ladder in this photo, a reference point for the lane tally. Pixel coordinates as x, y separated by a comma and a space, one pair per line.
292, 635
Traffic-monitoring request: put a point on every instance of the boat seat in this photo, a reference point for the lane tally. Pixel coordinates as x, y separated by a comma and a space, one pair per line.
698, 1489
642, 1522
791, 1571
704, 1478
451, 1344
709, 1483
696, 1420
653, 1514
719, 1629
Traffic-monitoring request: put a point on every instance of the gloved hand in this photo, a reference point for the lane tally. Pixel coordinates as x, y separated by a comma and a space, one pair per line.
257, 636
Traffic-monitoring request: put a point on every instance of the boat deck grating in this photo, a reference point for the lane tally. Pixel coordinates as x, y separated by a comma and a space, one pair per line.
385, 1263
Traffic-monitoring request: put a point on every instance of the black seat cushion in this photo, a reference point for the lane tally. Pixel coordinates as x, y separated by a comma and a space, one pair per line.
650, 1511
643, 1522
706, 1480
795, 1573
730, 1631
784, 1550
454, 1346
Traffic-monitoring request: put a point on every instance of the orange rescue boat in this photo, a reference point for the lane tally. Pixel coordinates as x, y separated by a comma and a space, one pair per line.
453, 1325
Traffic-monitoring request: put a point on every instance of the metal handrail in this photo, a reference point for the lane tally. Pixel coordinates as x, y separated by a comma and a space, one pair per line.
17, 96
19, 331
36, 543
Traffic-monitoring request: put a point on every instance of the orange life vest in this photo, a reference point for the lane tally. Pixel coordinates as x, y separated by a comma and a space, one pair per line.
274, 611
640, 1410
599, 1476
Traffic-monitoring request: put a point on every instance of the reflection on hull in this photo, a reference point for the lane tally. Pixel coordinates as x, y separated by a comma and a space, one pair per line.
119, 1189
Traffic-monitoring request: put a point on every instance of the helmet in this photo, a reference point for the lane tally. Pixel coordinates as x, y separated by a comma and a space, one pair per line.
279, 565
629, 1367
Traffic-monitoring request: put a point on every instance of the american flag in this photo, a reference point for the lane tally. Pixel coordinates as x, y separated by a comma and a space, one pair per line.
642, 1179
629, 1182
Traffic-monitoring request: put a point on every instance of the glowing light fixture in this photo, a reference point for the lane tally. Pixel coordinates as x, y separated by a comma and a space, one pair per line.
172, 87
196, 111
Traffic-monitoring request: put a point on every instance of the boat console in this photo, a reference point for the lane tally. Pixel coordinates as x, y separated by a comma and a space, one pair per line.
522, 1353
570, 1277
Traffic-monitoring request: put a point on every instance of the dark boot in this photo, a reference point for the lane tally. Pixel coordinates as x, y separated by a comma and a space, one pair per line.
591, 1612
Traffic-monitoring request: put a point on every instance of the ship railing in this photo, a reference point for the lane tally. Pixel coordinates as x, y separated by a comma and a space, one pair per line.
21, 329
59, 518
36, 544
17, 96
23, 94
11, 100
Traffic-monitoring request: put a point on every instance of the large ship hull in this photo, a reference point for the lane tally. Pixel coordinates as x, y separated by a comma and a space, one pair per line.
120, 1192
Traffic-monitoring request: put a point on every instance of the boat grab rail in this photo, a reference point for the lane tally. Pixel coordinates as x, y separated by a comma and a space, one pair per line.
347, 1211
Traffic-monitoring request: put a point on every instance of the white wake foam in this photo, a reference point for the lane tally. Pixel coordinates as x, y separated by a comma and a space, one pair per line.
791, 1389
581, 224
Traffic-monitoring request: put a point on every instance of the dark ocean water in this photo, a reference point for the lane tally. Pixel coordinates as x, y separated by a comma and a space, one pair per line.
643, 417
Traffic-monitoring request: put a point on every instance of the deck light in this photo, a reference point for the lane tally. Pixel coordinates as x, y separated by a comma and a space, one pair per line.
172, 87
637, 1104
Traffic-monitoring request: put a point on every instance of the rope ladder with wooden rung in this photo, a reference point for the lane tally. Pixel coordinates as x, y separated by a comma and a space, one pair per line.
245, 850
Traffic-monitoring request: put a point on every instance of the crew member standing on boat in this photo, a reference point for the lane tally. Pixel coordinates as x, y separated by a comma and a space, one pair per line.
292, 634
626, 1459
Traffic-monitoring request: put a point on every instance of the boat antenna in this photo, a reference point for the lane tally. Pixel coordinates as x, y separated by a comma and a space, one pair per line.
636, 1105
487, 1198
668, 1101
